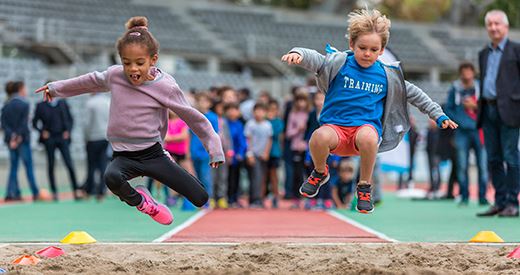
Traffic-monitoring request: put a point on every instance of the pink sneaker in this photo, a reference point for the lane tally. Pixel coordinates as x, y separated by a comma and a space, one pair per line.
158, 211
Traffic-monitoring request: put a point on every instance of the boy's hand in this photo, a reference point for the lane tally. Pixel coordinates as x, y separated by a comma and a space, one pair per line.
265, 157
251, 160
292, 58
215, 164
46, 93
449, 123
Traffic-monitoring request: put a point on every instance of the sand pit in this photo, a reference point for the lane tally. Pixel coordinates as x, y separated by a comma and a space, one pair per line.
268, 258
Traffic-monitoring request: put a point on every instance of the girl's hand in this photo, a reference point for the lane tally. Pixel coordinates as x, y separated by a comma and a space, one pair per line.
46, 93
215, 164
449, 123
292, 58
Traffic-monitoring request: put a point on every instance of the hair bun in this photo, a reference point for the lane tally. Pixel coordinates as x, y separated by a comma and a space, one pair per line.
137, 22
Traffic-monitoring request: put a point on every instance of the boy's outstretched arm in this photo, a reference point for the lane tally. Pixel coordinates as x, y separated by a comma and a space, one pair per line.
308, 59
426, 105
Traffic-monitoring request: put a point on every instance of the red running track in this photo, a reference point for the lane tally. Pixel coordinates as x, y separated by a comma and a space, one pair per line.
282, 226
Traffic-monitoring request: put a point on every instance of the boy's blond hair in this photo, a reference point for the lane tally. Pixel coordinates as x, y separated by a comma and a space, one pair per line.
368, 21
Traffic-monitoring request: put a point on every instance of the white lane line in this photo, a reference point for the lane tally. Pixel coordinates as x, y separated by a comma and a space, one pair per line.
180, 227
363, 227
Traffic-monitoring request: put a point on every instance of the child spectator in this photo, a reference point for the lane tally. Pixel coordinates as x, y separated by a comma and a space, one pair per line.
344, 185
273, 114
236, 129
220, 175
199, 155
296, 126
259, 140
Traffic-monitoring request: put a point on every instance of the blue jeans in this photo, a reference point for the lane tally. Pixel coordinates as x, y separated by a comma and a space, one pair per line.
288, 168
202, 169
465, 140
503, 157
23, 151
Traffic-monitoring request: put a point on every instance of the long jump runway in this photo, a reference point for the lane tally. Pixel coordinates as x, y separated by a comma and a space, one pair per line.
279, 226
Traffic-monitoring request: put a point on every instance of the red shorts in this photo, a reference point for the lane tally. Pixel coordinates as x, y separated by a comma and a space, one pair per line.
347, 139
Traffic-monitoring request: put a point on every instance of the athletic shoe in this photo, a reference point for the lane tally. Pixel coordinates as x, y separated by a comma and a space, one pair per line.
364, 199
483, 202
222, 203
158, 211
311, 186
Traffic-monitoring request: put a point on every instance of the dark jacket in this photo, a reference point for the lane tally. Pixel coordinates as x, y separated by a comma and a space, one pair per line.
15, 119
54, 119
507, 83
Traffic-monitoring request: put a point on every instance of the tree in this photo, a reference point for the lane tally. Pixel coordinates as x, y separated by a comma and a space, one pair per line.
416, 10
511, 8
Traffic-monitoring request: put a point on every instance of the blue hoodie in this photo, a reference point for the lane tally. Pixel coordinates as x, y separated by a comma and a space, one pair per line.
197, 150
236, 130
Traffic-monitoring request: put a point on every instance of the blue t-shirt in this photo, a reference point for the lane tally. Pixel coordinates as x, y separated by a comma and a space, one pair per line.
276, 149
356, 96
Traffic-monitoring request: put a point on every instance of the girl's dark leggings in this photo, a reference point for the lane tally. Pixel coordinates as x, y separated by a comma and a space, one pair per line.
153, 162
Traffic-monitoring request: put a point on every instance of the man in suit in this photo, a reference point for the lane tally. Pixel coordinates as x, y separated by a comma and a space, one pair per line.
499, 114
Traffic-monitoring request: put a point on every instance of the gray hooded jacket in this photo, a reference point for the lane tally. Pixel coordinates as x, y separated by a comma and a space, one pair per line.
396, 121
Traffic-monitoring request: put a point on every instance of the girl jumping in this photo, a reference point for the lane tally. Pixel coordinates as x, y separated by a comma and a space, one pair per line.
138, 121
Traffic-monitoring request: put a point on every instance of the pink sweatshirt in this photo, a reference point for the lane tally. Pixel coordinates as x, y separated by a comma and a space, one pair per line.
175, 127
296, 125
138, 114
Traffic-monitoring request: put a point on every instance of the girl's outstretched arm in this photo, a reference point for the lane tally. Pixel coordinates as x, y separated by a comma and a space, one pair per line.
87, 83
198, 123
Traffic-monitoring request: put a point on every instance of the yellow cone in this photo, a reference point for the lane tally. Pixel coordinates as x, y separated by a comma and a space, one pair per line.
78, 237
486, 237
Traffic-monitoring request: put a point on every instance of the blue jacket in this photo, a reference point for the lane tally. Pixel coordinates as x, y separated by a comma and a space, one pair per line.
15, 119
455, 109
197, 150
236, 129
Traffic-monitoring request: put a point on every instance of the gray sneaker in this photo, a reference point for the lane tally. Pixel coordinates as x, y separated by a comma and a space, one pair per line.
312, 184
364, 199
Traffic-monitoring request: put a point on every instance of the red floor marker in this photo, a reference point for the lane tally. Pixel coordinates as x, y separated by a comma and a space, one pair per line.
51, 252
515, 254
